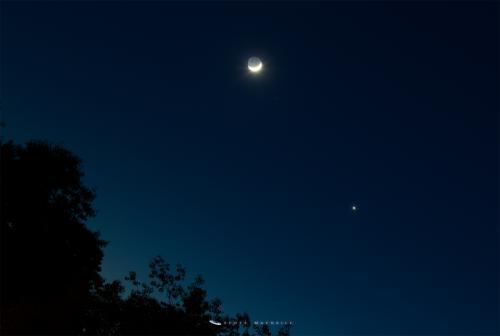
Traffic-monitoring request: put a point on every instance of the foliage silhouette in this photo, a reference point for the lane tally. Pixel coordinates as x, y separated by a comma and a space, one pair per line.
50, 260
51, 263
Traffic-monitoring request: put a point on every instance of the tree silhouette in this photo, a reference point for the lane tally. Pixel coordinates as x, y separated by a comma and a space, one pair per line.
166, 305
51, 262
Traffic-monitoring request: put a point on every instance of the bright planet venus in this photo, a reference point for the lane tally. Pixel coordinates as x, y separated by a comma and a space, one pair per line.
254, 64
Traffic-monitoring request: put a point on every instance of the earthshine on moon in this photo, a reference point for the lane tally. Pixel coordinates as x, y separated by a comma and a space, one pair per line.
254, 64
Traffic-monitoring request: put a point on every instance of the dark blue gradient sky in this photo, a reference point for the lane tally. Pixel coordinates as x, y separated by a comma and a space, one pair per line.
249, 180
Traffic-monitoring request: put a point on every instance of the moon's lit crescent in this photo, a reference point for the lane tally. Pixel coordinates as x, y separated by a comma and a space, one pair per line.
215, 322
255, 68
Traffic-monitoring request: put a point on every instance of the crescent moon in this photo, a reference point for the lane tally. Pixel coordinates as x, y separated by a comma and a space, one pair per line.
254, 64
255, 68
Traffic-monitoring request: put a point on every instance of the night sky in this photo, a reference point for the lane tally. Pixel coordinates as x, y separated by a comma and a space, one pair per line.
249, 179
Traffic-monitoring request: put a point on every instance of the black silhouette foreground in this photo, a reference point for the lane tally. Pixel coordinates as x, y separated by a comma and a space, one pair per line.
51, 263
